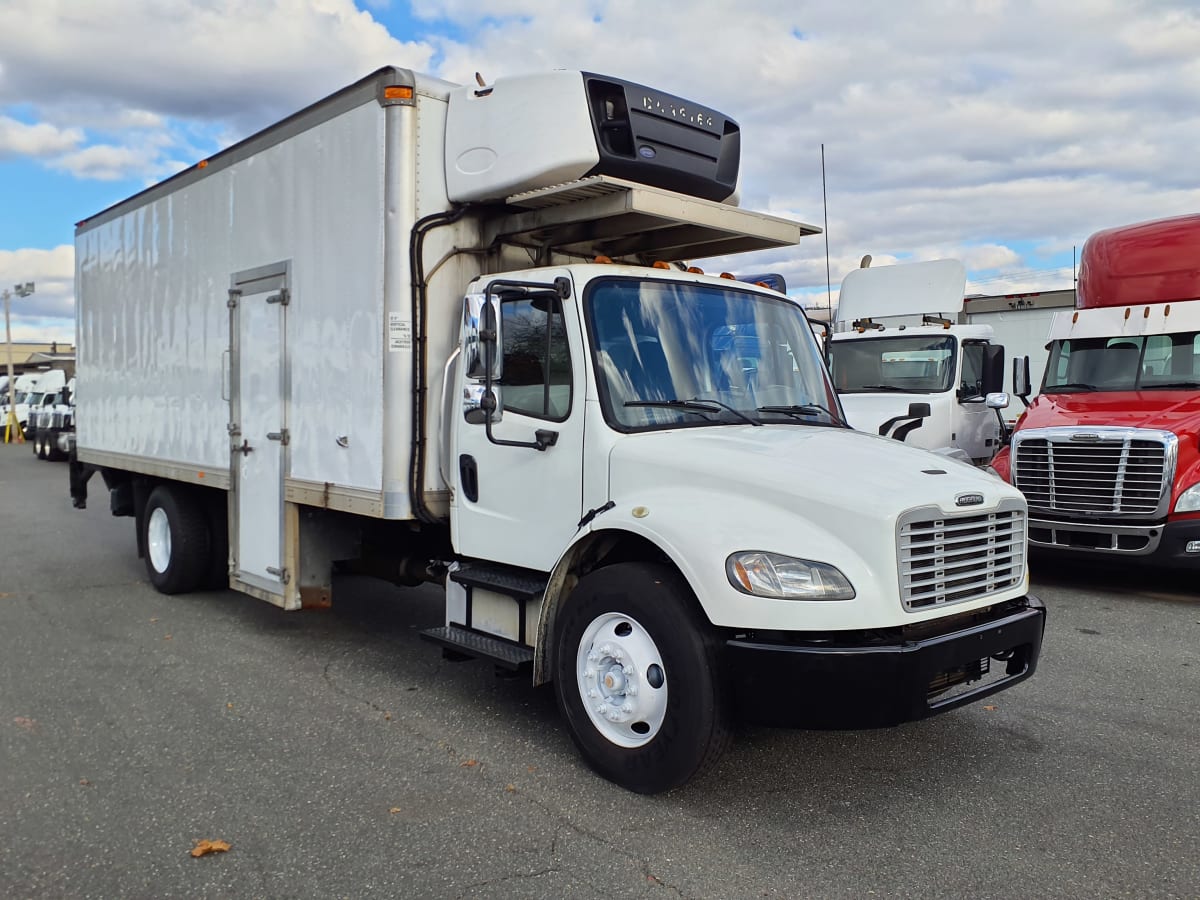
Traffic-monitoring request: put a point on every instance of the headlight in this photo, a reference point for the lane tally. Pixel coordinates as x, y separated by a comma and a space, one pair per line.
1189, 500
763, 574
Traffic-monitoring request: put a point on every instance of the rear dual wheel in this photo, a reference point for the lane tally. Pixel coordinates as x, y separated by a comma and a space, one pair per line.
638, 678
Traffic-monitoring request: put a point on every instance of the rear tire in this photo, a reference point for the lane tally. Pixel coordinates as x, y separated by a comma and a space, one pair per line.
638, 678
176, 539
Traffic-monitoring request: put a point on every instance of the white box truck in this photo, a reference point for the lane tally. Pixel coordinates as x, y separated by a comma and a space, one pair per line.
443, 333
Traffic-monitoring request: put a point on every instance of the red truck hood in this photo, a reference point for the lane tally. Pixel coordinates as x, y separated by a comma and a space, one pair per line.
1177, 411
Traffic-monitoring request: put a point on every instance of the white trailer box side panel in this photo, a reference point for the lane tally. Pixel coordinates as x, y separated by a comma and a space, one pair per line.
154, 325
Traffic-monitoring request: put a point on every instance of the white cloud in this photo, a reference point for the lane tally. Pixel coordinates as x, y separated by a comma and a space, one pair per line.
39, 140
1002, 132
47, 313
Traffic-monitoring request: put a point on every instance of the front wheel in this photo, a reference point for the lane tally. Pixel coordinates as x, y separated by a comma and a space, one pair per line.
176, 540
638, 678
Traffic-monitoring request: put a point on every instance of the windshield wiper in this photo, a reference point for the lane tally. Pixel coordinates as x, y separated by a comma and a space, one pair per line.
883, 387
1170, 384
802, 409
695, 405
1072, 386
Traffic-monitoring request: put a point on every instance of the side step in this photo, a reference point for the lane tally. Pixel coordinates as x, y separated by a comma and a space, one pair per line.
462, 640
520, 584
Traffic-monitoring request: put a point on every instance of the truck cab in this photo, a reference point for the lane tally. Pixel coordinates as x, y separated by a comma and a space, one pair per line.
1107, 454
905, 369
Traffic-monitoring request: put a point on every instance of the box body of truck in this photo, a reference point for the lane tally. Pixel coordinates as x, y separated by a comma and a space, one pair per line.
1107, 454
906, 369
1020, 324
380, 334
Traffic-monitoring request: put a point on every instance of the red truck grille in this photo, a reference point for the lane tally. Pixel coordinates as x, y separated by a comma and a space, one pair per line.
1095, 471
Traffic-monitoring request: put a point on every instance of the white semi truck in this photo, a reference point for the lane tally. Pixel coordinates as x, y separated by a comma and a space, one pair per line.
906, 368
446, 334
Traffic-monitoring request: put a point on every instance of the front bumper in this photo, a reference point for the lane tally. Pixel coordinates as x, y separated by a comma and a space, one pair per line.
1156, 543
861, 681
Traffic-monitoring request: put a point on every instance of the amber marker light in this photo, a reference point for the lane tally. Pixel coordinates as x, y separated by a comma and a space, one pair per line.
203, 164
398, 92
739, 570
729, 275
660, 264
695, 270
603, 260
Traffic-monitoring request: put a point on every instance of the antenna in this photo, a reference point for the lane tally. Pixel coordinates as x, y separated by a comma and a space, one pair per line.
825, 205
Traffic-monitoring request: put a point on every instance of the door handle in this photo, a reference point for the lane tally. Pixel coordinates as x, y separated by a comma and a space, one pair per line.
245, 449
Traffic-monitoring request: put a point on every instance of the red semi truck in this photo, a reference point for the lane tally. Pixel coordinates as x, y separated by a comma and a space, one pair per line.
1107, 455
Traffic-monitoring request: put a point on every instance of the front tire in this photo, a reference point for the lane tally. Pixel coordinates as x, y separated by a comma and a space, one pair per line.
176, 540
638, 678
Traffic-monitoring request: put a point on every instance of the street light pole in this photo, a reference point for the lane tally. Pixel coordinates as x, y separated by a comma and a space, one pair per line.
11, 423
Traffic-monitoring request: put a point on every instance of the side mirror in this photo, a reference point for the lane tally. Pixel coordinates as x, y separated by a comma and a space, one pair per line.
993, 368
997, 400
1020, 378
919, 410
481, 337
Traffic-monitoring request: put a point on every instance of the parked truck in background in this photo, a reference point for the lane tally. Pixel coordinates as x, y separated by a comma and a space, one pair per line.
51, 425
1107, 454
906, 368
25, 396
49, 396
606, 458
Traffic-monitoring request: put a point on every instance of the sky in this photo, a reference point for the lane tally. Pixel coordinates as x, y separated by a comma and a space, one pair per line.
998, 132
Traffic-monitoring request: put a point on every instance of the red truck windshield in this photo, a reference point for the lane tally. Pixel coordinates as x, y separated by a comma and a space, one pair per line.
1150, 362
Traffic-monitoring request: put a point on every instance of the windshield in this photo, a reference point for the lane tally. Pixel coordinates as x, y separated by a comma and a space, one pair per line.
1143, 362
740, 356
912, 364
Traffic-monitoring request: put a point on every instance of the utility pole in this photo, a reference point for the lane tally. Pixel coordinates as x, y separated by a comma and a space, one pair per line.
11, 424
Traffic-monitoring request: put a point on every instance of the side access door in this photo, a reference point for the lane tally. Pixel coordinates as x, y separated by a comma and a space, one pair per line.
518, 468
258, 435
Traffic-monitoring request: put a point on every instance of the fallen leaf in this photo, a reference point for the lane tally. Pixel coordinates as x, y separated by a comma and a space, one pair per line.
394, 810
531, 769
203, 848
25, 722
990, 708
167, 638
154, 619
469, 764
85, 782
4, 596
229, 706
511, 788
387, 717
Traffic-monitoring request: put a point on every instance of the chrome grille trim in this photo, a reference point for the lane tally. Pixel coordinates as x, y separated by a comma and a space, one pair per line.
1090, 472
947, 558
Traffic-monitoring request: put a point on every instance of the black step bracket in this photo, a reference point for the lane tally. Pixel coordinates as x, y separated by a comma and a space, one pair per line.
457, 639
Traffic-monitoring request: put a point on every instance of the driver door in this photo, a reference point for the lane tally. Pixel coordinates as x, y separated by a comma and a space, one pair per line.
514, 503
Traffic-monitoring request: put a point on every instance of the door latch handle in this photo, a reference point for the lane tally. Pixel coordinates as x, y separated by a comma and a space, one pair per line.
245, 449
281, 436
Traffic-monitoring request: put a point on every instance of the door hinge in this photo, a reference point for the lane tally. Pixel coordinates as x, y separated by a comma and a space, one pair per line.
234, 429
234, 296
284, 437
282, 298
283, 575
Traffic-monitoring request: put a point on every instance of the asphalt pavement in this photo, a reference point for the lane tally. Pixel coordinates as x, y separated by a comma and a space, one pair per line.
340, 756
